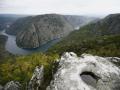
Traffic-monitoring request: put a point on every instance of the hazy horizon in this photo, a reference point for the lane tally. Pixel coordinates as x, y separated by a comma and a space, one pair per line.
66, 7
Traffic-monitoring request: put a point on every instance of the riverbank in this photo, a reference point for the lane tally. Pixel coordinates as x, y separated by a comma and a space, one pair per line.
12, 47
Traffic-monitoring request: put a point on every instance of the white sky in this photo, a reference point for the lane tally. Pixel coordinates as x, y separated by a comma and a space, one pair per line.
75, 7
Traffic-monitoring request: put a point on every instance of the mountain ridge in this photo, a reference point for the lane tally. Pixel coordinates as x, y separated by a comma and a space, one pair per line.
101, 38
34, 31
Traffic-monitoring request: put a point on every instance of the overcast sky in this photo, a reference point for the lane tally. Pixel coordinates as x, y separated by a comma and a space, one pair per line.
75, 7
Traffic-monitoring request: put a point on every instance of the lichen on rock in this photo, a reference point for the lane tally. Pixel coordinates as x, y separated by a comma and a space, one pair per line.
12, 85
101, 74
37, 78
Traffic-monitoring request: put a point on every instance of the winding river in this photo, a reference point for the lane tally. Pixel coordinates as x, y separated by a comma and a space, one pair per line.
12, 47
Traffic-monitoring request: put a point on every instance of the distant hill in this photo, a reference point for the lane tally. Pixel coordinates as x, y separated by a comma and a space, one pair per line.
79, 21
18, 25
74, 20
7, 19
109, 25
101, 38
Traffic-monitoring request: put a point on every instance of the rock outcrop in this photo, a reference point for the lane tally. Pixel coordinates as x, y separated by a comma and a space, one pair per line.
86, 73
34, 84
12, 85
37, 78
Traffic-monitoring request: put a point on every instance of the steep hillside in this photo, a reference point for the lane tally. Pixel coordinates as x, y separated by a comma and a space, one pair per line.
109, 25
101, 38
34, 31
18, 25
74, 20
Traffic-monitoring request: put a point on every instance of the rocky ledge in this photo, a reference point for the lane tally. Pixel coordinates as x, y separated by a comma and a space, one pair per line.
87, 72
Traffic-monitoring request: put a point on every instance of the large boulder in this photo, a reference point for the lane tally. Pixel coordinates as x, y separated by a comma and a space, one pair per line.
87, 72
12, 85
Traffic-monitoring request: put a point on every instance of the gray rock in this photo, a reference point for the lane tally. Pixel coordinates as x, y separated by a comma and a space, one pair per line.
1, 87
36, 79
87, 72
12, 85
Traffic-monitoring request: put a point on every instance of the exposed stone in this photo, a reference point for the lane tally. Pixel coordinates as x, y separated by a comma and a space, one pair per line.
12, 85
37, 78
87, 72
1, 87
